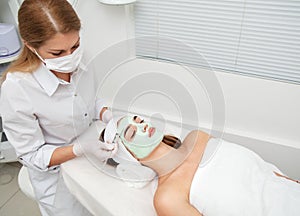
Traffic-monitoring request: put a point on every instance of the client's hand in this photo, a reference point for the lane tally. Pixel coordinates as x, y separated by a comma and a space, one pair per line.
89, 143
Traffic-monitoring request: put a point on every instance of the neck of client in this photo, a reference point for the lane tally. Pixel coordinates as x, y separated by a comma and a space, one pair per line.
164, 160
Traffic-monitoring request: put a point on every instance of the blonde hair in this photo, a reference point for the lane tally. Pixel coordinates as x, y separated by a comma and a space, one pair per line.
39, 21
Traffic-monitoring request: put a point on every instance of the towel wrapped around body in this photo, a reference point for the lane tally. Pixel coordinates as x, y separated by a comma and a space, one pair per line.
235, 181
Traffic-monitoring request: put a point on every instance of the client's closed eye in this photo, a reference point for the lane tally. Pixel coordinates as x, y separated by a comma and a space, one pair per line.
130, 132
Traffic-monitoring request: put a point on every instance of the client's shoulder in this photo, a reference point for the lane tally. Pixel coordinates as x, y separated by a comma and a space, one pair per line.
196, 136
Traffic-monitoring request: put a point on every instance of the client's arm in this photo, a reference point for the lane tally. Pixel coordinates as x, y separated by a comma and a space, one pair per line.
170, 202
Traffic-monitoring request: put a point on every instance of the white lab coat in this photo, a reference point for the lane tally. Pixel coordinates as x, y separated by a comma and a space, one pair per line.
41, 113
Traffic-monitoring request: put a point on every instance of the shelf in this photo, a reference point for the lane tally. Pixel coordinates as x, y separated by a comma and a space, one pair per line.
9, 59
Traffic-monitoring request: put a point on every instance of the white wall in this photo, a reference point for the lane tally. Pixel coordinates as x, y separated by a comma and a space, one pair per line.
5, 13
102, 25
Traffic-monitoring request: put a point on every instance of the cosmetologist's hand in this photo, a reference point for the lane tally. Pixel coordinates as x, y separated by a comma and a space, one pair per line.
89, 143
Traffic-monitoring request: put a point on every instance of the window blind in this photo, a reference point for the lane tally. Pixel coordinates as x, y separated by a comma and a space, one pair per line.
251, 37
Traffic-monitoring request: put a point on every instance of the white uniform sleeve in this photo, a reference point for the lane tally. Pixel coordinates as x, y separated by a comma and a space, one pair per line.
21, 127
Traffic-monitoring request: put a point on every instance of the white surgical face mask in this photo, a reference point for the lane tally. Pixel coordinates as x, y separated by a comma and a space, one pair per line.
64, 64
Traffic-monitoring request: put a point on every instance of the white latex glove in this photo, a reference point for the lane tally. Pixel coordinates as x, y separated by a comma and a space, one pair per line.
89, 143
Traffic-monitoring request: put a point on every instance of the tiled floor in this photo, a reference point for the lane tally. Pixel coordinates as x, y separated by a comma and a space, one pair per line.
13, 202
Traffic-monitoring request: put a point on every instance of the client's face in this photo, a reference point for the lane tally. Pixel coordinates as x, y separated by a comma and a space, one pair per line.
139, 137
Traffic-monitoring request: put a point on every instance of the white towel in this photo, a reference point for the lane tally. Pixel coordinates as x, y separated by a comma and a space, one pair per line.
131, 171
236, 181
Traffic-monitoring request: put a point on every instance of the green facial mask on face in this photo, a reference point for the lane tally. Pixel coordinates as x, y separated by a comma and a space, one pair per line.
141, 145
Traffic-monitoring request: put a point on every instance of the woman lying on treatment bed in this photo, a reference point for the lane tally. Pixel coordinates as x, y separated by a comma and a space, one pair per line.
204, 175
